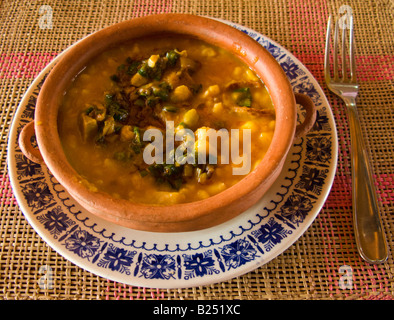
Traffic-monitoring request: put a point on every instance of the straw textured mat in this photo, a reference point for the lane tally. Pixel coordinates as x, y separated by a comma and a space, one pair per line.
310, 268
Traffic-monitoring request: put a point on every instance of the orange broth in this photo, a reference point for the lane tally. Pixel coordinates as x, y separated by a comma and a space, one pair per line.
143, 85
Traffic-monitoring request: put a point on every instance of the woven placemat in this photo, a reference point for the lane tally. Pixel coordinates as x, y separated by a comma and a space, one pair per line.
309, 269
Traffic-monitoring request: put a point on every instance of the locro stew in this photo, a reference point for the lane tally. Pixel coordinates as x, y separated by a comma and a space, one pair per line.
165, 120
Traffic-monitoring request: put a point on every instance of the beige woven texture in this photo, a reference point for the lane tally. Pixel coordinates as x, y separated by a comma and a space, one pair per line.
309, 269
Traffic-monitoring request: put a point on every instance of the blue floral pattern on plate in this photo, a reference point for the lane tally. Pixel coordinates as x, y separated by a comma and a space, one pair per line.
184, 259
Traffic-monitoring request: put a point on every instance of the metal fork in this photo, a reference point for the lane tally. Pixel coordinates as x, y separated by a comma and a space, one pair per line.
369, 234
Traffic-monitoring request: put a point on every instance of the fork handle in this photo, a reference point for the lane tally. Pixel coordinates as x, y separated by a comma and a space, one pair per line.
370, 238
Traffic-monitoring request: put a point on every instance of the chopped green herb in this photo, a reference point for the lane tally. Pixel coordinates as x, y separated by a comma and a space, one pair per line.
120, 156
121, 67
170, 109
144, 70
114, 78
89, 110
139, 102
169, 173
133, 68
137, 134
161, 92
144, 173
243, 97
172, 57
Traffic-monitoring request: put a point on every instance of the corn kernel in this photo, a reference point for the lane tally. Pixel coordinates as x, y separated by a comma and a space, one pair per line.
212, 91
190, 118
265, 139
262, 98
251, 75
216, 188
208, 52
109, 163
201, 144
152, 60
181, 93
126, 133
135, 50
249, 125
138, 80
237, 71
164, 197
201, 194
217, 108
84, 77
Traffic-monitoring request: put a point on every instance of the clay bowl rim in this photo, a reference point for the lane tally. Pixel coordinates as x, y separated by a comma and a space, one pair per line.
212, 31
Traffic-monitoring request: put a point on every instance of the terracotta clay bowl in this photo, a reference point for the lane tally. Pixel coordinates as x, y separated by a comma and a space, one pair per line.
180, 217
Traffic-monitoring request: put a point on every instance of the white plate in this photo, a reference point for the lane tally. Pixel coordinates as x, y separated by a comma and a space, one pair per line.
178, 260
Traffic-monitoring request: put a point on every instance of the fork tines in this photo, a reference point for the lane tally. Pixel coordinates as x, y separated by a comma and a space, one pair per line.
340, 24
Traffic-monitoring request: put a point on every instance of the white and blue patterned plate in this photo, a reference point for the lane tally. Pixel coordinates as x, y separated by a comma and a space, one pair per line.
177, 260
